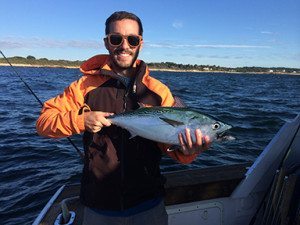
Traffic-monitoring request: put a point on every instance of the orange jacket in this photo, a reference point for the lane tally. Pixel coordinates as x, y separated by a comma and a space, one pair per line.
63, 115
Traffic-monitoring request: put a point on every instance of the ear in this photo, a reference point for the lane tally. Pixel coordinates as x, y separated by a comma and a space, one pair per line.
106, 43
141, 45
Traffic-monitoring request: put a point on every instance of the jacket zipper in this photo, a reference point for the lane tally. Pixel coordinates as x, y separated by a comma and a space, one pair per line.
125, 98
131, 86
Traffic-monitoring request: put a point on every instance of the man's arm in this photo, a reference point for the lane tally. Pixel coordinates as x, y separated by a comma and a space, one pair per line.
63, 115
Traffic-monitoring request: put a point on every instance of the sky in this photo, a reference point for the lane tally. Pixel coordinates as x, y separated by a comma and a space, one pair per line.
230, 33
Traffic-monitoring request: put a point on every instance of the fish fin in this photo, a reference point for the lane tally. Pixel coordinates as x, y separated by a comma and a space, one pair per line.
141, 105
132, 135
173, 123
179, 102
173, 148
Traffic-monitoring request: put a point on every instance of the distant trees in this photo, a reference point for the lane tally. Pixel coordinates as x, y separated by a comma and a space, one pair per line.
30, 57
31, 60
171, 65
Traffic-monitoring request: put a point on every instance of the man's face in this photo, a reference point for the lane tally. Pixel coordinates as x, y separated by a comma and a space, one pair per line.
123, 56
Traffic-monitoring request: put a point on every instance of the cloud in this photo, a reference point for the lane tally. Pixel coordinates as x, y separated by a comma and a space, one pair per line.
168, 45
177, 24
223, 57
267, 32
212, 56
20, 42
231, 46
36, 42
6, 44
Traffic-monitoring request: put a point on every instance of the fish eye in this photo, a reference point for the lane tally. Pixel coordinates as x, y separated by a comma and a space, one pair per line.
216, 126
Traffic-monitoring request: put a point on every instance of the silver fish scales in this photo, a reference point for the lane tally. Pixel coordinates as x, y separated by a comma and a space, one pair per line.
163, 124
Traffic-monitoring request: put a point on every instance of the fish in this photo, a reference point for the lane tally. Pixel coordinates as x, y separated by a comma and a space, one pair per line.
163, 124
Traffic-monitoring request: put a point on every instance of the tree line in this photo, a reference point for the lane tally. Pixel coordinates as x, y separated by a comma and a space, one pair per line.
32, 61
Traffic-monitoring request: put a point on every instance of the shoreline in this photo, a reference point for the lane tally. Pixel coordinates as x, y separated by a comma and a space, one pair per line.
212, 71
156, 69
39, 66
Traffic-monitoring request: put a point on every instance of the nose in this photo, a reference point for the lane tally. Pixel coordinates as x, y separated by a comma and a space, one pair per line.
125, 44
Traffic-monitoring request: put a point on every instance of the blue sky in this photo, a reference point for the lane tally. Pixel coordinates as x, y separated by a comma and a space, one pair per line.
230, 33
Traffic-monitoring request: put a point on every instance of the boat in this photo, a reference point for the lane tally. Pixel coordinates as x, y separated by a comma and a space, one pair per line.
264, 192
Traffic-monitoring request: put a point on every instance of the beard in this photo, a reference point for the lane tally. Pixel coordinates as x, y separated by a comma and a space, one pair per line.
120, 64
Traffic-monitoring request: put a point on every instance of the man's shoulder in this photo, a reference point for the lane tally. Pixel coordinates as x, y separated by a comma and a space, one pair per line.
154, 82
160, 89
94, 63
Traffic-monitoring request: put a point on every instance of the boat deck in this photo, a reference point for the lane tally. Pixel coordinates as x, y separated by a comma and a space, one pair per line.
181, 187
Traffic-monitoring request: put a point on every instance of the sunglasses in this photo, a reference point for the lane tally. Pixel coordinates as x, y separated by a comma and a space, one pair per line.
117, 39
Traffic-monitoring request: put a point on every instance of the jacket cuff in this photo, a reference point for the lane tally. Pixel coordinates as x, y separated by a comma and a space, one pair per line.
80, 119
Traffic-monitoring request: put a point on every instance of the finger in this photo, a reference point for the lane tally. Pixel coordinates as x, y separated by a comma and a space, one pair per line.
91, 129
198, 135
188, 137
207, 142
182, 144
105, 122
181, 140
100, 120
95, 127
106, 114
99, 124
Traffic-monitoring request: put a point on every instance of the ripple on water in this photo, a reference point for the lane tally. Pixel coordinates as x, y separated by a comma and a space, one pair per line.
32, 167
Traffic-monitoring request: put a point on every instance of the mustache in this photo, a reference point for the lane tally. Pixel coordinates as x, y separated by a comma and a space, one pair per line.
121, 50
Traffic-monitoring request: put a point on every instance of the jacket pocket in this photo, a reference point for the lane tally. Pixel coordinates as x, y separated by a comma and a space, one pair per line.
103, 159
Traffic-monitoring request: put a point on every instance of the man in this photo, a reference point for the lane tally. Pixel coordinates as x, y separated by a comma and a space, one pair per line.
121, 182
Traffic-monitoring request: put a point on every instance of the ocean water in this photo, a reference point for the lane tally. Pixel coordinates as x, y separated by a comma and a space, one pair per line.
33, 168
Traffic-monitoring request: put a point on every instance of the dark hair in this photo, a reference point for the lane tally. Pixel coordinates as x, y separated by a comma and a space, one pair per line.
120, 15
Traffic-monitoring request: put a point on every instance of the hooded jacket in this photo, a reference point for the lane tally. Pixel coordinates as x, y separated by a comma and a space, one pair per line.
127, 171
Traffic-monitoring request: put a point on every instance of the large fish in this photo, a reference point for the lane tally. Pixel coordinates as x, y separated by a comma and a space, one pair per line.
163, 124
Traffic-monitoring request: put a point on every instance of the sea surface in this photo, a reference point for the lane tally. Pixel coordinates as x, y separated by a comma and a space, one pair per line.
33, 168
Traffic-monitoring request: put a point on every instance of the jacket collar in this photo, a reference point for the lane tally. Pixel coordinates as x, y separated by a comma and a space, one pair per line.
100, 65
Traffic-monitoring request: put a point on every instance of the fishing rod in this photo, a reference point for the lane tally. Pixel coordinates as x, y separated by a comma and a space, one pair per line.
39, 101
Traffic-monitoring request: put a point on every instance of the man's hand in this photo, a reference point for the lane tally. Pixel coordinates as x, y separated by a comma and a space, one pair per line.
188, 147
95, 120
